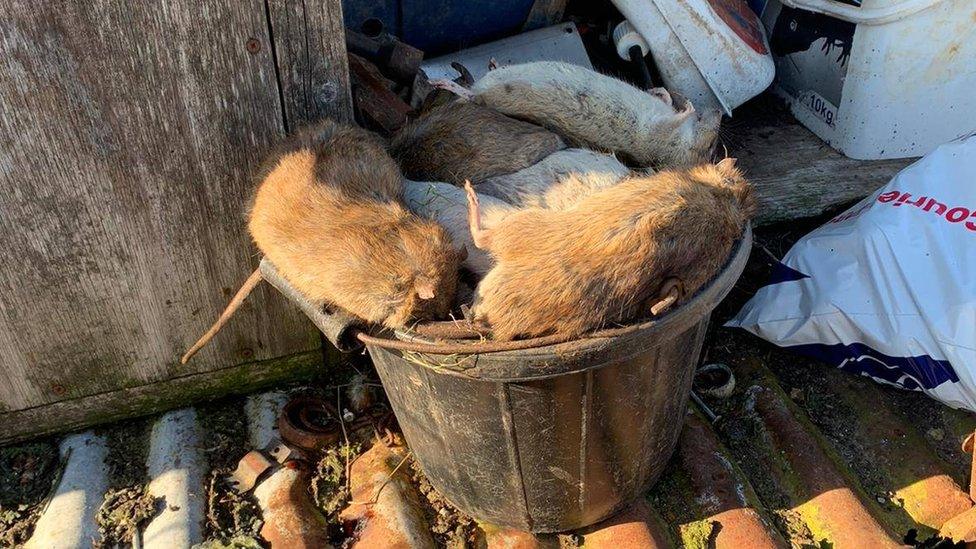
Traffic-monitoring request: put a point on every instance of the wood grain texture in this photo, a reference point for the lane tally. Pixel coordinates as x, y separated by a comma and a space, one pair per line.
310, 47
797, 175
103, 408
128, 135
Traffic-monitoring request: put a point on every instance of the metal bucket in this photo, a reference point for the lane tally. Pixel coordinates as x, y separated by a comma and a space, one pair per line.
559, 437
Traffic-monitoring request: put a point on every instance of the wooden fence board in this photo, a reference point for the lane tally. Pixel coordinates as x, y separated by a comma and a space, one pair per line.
128, 136
311, 53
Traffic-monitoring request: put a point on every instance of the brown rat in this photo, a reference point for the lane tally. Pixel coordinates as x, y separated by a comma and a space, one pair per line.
626, 252
328, 215
464, 141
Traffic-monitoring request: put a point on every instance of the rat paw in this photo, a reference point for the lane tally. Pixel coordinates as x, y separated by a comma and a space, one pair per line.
453, 87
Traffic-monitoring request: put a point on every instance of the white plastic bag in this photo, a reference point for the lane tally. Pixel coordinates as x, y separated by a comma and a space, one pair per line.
888, 288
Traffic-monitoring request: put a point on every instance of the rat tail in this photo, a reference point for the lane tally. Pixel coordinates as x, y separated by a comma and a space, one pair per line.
479, 234
232, 307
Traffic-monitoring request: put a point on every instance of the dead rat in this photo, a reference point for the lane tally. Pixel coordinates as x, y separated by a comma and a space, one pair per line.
557, 181
464, 141
624, 253
327, 214
448, 205
652, 128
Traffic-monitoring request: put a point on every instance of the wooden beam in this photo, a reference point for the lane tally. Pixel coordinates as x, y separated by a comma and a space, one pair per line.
310, 52
796, 174
68, 415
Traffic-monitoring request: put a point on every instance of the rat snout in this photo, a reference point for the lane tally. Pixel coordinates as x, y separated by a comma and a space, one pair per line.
425, 288
711, 118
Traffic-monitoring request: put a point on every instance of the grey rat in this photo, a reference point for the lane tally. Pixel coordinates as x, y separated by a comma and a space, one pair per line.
652, 128
557, 181
462, 141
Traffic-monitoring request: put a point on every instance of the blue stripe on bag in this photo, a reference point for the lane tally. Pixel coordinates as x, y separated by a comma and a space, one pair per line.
914, 373
783, 273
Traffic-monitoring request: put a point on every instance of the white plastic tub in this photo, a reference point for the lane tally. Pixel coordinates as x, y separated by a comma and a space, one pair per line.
882, 79
713, 52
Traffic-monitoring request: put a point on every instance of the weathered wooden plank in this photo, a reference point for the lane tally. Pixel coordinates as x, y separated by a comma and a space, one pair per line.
544, 13
128, 135
310, 47
68, 415
798, 175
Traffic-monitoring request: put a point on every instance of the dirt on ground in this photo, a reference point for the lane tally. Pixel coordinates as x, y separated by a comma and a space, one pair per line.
329, 486
451, 528
27, 475
127, 504
123, 513
233, 518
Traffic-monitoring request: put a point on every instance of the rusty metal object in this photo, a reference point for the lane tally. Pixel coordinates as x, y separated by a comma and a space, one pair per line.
376, 103
723, 497
968, 447
961, 528
507, 538
636, 527
403, 61
291, 520
397, 59
309, 423
449, 329
841, 516
385, 510
714, 380
336, 325
249, 469
283, 453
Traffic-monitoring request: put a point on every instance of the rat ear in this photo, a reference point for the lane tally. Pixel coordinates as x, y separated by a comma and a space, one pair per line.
729, 172
425, 289
726, 164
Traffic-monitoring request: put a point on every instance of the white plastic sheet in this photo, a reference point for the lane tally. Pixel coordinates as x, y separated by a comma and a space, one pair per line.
888, 288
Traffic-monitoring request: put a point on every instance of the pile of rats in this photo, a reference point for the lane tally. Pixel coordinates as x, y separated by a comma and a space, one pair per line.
546, 199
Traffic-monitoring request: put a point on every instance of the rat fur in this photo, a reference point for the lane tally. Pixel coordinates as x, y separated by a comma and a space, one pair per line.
652, 128
464, 141
327, 214
557, 181
624, 253
447, 205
